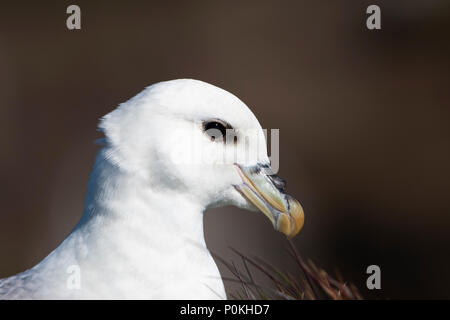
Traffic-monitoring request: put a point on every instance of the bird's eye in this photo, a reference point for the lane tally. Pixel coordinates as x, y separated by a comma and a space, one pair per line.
216, 129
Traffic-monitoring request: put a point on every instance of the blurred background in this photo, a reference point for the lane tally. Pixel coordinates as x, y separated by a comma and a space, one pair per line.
363, 118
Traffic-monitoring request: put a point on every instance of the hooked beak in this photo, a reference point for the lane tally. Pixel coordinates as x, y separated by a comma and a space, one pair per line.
266, 192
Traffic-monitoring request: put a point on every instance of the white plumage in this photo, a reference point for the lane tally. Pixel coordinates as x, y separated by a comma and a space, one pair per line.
141, 235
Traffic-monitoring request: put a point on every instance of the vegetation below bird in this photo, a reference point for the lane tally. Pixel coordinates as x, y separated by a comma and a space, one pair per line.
312, 283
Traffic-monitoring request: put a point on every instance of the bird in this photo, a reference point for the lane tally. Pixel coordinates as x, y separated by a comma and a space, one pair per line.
169, 154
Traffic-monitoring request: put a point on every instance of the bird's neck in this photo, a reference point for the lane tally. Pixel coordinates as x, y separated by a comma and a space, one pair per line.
125, 199
145, 237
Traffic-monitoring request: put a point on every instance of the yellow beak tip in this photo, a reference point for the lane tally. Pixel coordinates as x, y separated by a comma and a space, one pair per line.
291, 224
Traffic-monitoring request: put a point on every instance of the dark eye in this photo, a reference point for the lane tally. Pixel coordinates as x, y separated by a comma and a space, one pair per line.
216, 129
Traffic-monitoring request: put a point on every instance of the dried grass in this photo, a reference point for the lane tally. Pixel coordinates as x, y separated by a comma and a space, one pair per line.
313, 283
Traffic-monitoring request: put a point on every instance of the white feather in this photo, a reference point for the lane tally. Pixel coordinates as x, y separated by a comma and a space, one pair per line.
141, 235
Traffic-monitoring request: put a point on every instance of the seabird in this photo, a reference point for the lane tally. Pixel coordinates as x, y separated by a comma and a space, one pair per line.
169, 154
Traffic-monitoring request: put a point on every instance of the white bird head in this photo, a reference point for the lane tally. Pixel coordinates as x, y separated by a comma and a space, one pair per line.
193, 138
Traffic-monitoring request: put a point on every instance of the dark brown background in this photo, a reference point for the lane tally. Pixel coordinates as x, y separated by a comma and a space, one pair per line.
363, 117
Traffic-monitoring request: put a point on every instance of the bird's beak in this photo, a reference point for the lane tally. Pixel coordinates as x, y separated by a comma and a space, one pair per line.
266, 192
